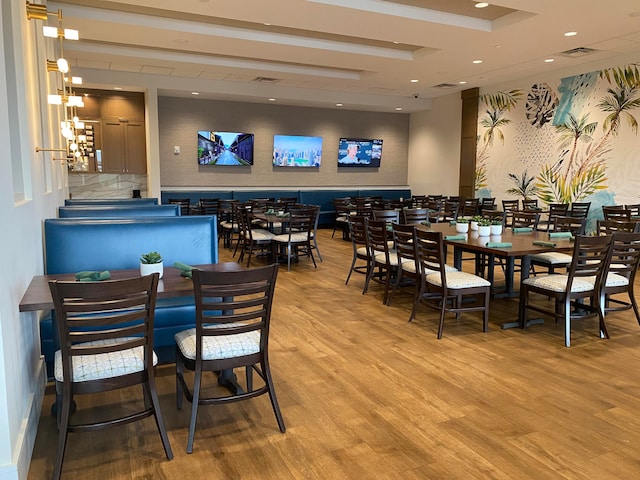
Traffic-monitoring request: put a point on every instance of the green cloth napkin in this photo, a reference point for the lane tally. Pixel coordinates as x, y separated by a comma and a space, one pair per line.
560, 235
522, 230
499, 244
185, 270
452, 222
92, 276
455, 237
542, 243
425, 223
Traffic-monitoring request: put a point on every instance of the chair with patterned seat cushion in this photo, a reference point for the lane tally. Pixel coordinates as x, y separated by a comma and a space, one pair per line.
383, 260
298, 238
445, 289
583, 280
233, 315
572, 226
252, 239
106, 343
620, 279
358, 235
607, 227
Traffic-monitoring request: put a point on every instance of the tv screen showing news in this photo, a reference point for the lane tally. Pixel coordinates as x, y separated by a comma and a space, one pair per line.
296, 151
359, 152
225, 148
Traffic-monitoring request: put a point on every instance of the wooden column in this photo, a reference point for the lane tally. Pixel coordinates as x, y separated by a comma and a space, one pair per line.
469, 132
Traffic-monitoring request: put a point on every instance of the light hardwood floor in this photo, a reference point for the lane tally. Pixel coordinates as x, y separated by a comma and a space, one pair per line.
366, 395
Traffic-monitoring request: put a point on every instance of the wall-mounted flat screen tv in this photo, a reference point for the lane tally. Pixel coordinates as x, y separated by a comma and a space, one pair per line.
296, 151
225, 148
359, 152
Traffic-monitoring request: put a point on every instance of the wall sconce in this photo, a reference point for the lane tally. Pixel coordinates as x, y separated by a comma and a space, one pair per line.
37, 12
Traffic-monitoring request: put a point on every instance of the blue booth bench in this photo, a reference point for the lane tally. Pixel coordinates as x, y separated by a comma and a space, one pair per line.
77, 244
117, 211
321, 197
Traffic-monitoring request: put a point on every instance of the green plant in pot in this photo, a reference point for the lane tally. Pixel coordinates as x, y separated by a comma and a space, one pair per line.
474, 222
151, 262
462, 225
484, 227
496, 227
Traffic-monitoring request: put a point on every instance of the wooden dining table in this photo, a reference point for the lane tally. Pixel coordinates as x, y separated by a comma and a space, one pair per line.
522, 247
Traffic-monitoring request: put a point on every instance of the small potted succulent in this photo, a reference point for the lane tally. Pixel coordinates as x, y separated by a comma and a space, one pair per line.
484, 227
151, 262
462, 225
474, 222
496, 227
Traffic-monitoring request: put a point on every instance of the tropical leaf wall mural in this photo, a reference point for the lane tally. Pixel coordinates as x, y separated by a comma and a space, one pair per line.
568, 140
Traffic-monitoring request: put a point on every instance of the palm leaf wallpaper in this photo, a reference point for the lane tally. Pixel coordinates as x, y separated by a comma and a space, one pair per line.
573, 140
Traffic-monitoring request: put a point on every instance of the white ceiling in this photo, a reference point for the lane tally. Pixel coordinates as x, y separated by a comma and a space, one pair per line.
361, 53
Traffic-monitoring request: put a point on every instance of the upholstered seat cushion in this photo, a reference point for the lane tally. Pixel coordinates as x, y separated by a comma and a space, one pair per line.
410, 266
103, 365
259, 234
552, 258
393, 257
223, 346
458, 280
362, 251
558, 283
295, 237
616, 280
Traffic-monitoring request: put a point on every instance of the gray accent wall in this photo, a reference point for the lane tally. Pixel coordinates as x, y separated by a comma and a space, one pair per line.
180, 120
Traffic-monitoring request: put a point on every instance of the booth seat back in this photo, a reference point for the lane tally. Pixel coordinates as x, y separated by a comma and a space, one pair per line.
324, 198
111, 201
111, 211
76, 244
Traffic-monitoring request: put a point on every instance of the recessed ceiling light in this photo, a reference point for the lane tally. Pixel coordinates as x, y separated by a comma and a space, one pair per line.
462, 82
415, 80
481, 5
477, 61
267, 24
570, 34
338, 104
195, 93
117, 88
396, 43
398, 109
549, 60
272, 99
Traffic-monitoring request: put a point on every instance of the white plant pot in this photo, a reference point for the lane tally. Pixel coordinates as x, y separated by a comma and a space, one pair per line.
484, 230
496, 229
149, 268
474, 225
462, 227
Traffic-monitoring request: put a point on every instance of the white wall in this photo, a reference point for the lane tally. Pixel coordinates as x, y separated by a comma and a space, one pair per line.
30, 189
434, 148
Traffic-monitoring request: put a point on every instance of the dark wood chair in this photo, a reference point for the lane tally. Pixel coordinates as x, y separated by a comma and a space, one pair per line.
209, 206
583, 281
572, 226
525, 220
579, 209
227, 222
383, 263
555, 210
414, 215
616, 212
621, 275
298, 237
389, 216
252, 239
444, 288
607, 227
635, 209
358, 234
106, 343
470, 207
233, 316
509, 206
487, 203
342, 210
529, 204
408, 270
185, 205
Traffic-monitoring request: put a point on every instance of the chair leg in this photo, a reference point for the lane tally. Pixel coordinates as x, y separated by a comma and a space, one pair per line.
522, 306
353, 264
179, 379
157, 414
442, 311
485, 312
194, 408
266, 371
63, 414
420, 287
567, 322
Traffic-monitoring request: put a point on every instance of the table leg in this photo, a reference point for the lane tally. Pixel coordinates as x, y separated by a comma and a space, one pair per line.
524, 274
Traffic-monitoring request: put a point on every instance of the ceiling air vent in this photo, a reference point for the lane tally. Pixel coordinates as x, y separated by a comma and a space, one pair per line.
578, 52
445, 85
266, 79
